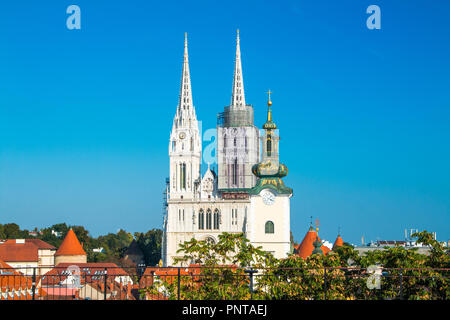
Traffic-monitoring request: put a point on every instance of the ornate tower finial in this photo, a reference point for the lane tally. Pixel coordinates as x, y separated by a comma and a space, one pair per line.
269, 125
269, 103
237, 95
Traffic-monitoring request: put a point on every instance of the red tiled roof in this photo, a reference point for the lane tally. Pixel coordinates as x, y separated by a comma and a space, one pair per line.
13, 280
4, 265
89, 272
11, 251
70, 246
306, 248
37, 242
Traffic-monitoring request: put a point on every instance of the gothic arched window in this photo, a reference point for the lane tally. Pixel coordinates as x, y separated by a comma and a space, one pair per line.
182, 176
208, 219
216, 219
235, 171
201, 220
270, 227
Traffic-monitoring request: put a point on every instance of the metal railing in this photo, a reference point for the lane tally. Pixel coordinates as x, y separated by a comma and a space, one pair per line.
222, 283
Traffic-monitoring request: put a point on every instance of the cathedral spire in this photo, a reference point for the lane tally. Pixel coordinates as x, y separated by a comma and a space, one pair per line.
238, 96
185, 105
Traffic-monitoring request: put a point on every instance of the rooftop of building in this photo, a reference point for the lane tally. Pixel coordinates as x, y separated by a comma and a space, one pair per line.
306, 247
11, 251
70, 246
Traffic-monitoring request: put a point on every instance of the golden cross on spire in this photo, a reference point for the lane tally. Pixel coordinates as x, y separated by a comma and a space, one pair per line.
269, 103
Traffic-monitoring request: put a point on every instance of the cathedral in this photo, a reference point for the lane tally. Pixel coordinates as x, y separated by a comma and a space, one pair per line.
246, 194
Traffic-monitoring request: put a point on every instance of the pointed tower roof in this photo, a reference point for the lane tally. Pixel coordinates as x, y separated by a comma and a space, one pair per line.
237, 95
338, 243
185, 109
133, 249
70, 246
306, 248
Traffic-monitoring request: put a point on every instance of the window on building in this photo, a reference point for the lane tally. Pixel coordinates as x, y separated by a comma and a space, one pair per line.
201, 220
182, 176
208, 219
216, 219
235, 171
270, 227
234, 217
269, 145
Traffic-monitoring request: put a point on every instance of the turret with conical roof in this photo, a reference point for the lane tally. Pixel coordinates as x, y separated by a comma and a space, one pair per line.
310, 244
70, 250
338, 243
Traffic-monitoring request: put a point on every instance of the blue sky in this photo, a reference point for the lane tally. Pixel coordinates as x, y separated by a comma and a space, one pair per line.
364, 115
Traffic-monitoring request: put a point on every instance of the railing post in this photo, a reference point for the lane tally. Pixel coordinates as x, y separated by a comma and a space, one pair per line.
401, 284
105, 284
251, 271
33, 287
179, 282
325, 282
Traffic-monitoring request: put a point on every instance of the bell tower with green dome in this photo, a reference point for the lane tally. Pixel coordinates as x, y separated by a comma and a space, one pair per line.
269, 216
270, 171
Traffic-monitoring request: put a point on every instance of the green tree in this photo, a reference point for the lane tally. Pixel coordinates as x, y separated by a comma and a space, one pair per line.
13, 231
150, 244
211, 281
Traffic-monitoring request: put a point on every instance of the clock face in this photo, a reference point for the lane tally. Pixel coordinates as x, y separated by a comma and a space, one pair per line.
182, 135
268, 197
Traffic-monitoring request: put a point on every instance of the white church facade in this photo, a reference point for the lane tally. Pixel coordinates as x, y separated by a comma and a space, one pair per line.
246, 195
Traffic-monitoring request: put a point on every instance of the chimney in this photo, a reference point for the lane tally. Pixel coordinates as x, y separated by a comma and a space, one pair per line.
20, 241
